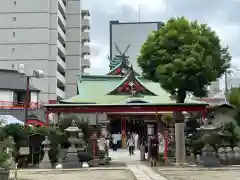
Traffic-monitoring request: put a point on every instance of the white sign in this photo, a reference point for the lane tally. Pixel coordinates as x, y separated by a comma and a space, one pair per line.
161, 143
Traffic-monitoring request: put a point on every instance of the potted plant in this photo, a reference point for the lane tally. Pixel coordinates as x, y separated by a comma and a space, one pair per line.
5, 164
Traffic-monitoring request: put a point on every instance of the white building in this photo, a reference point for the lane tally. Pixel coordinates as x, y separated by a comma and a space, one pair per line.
13, 92
51, 35
133, 33
234, 82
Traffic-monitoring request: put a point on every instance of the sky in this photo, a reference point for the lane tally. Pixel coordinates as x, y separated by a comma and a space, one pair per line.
221, 15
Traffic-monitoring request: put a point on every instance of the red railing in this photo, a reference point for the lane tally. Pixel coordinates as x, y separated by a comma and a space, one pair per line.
17, 105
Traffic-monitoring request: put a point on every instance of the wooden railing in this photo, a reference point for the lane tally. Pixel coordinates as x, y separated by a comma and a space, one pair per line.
17, 105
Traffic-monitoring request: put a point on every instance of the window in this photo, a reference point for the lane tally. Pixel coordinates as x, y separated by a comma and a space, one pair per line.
14, 34
19, 98
14, 18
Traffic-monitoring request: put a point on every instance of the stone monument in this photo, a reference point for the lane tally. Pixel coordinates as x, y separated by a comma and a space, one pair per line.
71, 159
45, 163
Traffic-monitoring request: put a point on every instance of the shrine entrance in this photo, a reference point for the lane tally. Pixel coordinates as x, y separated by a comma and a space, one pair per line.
115, 126
136, 126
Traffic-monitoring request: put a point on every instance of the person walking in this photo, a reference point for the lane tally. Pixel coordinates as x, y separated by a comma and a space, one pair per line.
130, 144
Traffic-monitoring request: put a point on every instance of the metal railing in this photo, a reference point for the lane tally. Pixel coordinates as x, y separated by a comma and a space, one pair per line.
17, 105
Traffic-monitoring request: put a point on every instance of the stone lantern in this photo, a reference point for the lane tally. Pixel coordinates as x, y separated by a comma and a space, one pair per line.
71, 159
45, 163
208, 158
10, 146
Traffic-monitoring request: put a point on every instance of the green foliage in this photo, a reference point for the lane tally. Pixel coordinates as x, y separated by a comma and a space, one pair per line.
82, 124
184, 57
4, 161
234, 97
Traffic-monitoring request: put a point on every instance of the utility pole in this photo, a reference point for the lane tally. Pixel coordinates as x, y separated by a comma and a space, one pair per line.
226, 83
139, 13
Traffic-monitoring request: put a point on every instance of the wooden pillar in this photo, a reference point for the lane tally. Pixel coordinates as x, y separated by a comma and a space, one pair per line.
123, 131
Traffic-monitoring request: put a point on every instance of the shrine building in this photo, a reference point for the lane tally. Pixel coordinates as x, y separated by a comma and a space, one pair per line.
122, 100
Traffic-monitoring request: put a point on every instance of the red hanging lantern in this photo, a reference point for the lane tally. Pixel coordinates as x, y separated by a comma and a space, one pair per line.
118, 70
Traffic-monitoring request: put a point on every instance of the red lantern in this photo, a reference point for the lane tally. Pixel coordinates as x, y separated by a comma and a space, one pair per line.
118, 70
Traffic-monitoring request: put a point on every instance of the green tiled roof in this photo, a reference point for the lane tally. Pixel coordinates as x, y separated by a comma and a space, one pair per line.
93, 89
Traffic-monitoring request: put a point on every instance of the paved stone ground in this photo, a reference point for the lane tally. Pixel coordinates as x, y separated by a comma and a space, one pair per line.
200, 173
143, 172
134, 168
76, 175
122, 155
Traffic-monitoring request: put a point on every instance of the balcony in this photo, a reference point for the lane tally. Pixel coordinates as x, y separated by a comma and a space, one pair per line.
60, 93
62, 34
85, 24
85, 37
61, 65
63, 7
85, 63
17, 105
85, 13
85, 50
61, 79
61, 21
60, 46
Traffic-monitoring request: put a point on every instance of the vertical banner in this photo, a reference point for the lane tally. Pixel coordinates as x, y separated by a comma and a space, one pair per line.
165, 145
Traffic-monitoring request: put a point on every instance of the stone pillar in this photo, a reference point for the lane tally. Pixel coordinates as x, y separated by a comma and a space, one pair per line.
45, 163
180, 143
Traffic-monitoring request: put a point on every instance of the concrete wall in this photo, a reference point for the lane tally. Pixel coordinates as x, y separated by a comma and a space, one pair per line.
73, 46
28, 36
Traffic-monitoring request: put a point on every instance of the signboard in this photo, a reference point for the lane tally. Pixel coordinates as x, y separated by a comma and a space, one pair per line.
161, 147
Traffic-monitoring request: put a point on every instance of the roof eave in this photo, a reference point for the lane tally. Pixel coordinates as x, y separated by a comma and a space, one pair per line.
131, 105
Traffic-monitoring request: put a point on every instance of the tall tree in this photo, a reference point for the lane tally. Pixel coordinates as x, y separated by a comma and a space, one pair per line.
184, 57
234, 97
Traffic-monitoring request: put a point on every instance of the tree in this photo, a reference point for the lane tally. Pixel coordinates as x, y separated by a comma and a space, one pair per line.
234, 99
184, 57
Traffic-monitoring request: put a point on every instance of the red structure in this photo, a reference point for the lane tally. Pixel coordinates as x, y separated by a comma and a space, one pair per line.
119, 108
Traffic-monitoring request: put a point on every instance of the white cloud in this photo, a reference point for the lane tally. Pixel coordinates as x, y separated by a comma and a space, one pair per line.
221, 15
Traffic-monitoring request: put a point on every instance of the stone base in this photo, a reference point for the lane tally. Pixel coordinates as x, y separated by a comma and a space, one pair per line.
45, 165
210, 161
71, 161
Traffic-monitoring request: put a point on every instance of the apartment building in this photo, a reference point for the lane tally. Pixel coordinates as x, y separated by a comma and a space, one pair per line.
51, 35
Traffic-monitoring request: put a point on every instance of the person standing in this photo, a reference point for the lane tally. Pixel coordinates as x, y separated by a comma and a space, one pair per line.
154, 150
107, 147
114, 141
119, 139
136, 140
102, 146
130, 144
